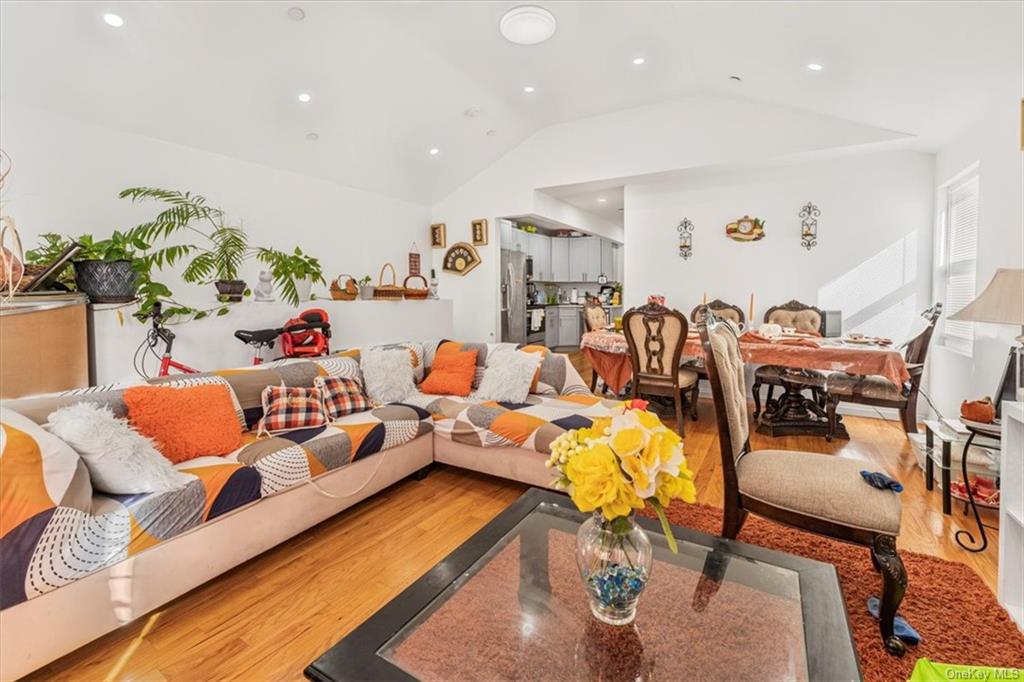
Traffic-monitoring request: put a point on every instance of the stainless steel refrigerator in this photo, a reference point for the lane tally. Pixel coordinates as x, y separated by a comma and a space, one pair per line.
513, 296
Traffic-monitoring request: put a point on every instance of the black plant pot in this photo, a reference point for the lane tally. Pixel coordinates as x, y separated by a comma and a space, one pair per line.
234, 289
106, 281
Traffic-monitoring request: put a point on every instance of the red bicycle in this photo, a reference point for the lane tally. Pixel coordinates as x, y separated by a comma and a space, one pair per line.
303, 337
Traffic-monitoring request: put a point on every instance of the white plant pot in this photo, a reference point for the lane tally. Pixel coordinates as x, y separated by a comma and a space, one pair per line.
303, 287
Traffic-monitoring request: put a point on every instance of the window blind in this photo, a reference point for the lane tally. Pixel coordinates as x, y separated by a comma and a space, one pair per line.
961, 258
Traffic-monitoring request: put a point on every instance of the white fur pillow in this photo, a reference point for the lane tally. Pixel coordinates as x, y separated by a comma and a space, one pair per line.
120, 460
508, 376
387, 374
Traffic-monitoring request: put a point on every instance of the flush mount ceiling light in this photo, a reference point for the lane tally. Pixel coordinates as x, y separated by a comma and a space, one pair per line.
637, 61
528, 25
529, 88
296, 13
601, 200
304, 97
434, 151
114, 20
815, 67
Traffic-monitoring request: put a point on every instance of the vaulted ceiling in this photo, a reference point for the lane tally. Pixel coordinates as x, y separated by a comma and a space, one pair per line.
390, 81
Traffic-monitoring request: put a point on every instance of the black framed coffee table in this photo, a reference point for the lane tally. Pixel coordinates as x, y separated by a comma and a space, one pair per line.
509, 605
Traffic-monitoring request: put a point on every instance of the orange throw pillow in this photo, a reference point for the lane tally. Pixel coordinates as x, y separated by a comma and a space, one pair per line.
451, 374
185, 423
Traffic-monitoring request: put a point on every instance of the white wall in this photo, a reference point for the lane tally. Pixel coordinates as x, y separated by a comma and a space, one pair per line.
993, 142
686, 133
67, 174
874, 239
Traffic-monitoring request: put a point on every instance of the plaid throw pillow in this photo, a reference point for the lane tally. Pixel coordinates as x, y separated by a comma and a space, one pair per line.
286, 408
341, 396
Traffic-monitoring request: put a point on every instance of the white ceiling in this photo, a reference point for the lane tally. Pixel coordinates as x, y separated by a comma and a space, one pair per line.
391, 80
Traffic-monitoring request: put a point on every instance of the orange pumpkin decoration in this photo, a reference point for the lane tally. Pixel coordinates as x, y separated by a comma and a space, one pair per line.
982, 411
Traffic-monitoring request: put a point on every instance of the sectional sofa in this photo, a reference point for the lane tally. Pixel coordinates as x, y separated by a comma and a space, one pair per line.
85, 563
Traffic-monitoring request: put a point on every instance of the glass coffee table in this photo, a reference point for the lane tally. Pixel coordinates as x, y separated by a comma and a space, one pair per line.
509, 605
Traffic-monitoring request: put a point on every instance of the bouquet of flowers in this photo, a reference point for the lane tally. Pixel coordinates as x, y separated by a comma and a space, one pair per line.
622, 463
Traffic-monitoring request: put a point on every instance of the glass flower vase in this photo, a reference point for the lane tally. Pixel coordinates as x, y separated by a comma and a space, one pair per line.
615, 559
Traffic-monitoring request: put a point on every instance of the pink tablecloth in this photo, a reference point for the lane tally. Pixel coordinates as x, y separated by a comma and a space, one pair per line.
829, 355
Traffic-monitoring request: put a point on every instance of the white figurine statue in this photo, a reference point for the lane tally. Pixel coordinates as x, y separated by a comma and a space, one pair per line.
264, 290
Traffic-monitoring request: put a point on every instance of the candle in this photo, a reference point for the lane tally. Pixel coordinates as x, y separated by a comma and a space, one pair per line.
705, 300
750, 315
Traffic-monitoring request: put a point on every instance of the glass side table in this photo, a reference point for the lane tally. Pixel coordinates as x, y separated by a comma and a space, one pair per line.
947, 439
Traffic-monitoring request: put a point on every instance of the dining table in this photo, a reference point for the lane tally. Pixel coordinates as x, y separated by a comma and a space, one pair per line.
802, 355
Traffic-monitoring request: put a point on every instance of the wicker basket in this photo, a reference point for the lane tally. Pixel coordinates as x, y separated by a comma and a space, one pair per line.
344, 292
414, 294
388, 292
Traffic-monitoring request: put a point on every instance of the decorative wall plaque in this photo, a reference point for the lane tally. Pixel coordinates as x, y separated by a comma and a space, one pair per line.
746, 229
479, 230
438, 240
460, 258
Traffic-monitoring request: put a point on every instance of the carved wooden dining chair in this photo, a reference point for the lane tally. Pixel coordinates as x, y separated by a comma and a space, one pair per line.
804, 318
722, 310
656, 336
819, 493
594, 315
879, 391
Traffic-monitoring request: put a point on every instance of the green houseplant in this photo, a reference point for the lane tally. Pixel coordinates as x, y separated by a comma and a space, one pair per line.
294, 273
365, 288
107, 269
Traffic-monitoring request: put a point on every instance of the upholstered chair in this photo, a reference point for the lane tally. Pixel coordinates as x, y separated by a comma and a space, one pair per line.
879, 391
724, 311
804, 318
818, 493
594, 315
656, 336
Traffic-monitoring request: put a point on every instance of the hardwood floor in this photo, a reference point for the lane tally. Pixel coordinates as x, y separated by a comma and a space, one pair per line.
266, 619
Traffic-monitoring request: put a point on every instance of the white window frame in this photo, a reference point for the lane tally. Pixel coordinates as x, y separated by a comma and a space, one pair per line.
956, 336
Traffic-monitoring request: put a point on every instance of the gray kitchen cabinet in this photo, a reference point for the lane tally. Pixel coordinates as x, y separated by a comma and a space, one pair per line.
513, 239
551, 327
608, 259
539, 248
584, 259
505, 229
559, 259
620, 271
566, 321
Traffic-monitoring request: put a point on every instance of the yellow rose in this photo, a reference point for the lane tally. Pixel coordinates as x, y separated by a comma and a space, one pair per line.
628, 441
674, 488
598, 483
648, 420
640, 475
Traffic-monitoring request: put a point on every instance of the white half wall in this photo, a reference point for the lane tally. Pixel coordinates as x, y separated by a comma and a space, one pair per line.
67, 174
872, 261
993, 142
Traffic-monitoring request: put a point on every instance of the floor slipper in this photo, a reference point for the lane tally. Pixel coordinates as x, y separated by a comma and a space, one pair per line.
901, 628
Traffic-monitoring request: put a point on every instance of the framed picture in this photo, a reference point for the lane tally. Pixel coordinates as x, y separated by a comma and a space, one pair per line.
479, 232
438, 240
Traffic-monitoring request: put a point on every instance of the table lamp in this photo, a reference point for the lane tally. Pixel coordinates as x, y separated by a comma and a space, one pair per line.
1002, 302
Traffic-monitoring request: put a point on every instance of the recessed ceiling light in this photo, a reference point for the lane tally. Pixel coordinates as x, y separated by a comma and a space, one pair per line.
304, 97
312, 137
815, 67
114, 20
528, 25
296, 13
601, 200
637, 61
434, 151
529, 88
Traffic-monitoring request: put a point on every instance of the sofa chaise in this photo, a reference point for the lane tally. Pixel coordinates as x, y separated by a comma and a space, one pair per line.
83, 563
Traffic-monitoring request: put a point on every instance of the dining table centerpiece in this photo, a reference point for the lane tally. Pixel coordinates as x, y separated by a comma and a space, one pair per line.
619, 465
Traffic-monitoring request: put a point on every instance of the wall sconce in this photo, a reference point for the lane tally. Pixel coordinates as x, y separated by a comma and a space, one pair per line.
809, 225
685, 230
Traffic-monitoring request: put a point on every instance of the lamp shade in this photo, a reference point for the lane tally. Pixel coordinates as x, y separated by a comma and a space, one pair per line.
1002, 301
